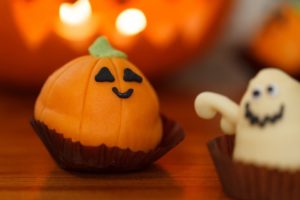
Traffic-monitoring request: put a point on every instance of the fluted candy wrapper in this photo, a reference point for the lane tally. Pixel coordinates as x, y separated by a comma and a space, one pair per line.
247, 181
76, 157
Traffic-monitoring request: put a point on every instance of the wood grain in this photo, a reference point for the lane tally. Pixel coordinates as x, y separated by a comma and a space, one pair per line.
28, 172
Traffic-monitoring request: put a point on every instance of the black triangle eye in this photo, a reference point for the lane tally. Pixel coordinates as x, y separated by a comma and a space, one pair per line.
104, 75
130, 76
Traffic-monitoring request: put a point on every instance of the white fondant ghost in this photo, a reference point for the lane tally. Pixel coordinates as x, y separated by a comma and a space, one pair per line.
266, 123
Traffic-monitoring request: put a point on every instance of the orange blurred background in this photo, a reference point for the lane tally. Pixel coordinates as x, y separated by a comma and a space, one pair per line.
175, 43
159, 36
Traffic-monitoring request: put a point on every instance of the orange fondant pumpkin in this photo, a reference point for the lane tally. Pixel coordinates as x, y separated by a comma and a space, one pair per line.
99, 99
278, 44
35, 41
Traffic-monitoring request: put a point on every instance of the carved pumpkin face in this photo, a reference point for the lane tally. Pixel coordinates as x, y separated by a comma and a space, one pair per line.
34, 31
101, 99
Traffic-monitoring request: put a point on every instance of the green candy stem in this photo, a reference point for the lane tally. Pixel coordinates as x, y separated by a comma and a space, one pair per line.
102, 48
296, 4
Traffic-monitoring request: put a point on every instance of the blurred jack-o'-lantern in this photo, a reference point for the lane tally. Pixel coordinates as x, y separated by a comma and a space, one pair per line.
37, 36
278, 43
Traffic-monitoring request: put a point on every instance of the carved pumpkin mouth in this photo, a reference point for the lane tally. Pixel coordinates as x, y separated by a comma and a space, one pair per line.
123, 95
256, 120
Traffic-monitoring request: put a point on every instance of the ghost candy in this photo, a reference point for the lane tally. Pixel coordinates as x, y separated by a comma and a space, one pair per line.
266, 123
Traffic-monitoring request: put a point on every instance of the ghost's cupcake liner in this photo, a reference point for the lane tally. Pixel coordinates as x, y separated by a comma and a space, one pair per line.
247, 181
77, 157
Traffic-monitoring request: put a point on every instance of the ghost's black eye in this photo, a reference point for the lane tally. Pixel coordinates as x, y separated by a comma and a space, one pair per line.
256, 93
130, 76
272, 90
104, 75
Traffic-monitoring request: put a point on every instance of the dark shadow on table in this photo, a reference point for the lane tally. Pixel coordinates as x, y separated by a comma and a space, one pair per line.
151, 183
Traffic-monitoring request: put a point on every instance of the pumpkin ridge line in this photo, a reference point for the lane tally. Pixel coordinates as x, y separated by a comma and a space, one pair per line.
52, 86
121, 100
95, 63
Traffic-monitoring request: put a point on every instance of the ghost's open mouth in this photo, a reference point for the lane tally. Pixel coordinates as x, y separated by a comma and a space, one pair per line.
256, 120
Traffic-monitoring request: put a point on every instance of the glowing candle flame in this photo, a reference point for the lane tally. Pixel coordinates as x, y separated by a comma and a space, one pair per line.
76, 13
131, 21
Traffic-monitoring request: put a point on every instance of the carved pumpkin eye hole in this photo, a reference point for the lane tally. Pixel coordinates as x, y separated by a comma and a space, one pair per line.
130, 76
104, 75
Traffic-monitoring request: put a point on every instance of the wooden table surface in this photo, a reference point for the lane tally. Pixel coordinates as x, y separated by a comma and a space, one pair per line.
28, 172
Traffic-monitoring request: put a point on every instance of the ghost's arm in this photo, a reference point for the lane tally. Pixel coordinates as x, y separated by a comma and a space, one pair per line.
207, 104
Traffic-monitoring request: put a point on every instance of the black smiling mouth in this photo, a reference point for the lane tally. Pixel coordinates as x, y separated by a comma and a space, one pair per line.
255, 120
123, 95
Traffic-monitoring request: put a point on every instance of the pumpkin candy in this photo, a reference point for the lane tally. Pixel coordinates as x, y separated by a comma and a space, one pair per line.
100, 99
278, 43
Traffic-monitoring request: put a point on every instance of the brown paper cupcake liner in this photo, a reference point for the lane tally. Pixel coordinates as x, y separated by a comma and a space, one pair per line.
77, 157
246, 181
